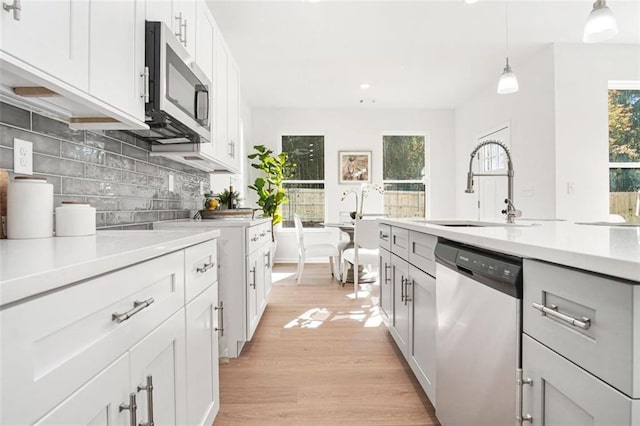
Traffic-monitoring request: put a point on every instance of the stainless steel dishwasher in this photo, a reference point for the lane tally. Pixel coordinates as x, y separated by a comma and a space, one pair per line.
478, 298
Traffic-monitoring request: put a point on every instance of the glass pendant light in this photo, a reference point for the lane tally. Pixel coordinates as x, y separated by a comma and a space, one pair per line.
601, 24
508, 82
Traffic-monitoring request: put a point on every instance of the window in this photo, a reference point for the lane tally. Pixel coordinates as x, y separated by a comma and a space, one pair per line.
624, 153
306, 189
403, 173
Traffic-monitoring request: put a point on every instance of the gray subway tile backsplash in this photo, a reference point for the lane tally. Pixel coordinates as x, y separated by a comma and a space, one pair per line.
110, 170
41, 144
93, 171
135, 152
83, 153
57, 166
100, 141
58, 129
15, 116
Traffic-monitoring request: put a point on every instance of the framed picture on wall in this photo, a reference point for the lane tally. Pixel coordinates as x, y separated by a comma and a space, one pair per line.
355, 166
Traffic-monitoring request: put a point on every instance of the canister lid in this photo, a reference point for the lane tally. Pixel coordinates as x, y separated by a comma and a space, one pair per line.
30, 178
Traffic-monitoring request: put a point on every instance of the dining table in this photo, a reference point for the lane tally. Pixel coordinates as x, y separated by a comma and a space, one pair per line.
349, 228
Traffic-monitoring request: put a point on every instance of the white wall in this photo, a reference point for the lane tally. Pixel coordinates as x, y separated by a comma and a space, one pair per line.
582, 73
360, 130
530, 115
559, 130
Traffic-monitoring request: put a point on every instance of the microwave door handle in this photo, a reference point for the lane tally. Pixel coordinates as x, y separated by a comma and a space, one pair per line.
202, 103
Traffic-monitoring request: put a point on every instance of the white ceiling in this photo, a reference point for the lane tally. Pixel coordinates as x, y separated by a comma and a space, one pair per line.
415, 54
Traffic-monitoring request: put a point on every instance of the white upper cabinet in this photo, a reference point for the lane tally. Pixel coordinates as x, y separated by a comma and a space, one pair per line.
58, 50
160, 10
227, 106
116, 55
220, 95
180, 16
184, 24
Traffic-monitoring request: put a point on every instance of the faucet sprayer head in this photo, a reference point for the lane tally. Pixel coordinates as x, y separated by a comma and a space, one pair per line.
469, 189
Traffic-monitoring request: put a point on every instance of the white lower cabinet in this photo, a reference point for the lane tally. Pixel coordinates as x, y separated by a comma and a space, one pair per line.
97, 402
408, 297
386, 286
399, 325
160, 358
203, 399
76, 355
561, 393
258, 286
423, 327
414, 321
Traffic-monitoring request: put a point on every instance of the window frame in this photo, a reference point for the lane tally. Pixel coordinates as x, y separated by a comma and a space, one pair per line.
426, 178
315, 181
619, 85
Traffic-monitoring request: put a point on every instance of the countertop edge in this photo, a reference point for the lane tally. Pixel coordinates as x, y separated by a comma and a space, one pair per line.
23, 287
619, 268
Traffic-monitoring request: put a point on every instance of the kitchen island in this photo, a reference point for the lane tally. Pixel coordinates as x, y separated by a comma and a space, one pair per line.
579, 306
110, 328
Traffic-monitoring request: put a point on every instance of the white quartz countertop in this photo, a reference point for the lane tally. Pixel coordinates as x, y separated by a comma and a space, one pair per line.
210, 223
29, 267
610, 250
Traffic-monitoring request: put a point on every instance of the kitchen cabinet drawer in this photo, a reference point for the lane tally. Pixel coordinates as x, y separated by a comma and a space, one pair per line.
400, 242
201, 268
384, 236
257, 236
53, 344
562, 393
602, 342
421, 251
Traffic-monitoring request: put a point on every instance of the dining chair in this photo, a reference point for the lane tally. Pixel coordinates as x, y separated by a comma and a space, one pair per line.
313, 250
364, 252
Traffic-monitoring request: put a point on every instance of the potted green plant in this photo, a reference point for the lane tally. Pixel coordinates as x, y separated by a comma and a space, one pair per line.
271, 194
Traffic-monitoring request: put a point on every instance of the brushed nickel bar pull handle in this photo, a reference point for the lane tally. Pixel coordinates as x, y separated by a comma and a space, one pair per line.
267, 259
183, 25
407, 299
520, 382
145, 76
132, 407
253, 272
16, 7
402, 289
137, 307
386, 275
149, 389
204, 268
179, 33
221, 315
552, 311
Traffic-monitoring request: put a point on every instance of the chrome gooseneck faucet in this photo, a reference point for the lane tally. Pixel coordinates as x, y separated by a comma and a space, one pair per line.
511, 212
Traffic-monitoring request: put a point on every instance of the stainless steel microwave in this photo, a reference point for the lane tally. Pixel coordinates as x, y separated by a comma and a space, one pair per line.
177, 106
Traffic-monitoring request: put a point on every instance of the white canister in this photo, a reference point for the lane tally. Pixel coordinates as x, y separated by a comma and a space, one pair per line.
75, 219
29, 208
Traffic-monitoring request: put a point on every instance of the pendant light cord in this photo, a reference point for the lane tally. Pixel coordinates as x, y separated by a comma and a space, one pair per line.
506, 26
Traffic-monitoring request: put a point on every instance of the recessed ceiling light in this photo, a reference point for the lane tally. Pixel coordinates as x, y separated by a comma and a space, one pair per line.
365, 86
470, 1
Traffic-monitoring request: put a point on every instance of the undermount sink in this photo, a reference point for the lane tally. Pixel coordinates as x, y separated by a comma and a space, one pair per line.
620, 224
472, 223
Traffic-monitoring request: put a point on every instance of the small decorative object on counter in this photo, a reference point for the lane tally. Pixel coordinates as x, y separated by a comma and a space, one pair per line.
229, 198
75, 219
211, 201
29, 208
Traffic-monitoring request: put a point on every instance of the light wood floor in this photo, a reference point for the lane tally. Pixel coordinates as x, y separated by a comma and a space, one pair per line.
319, 357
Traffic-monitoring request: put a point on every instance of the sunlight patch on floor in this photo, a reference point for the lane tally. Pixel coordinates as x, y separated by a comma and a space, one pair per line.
280, 276
313, 318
